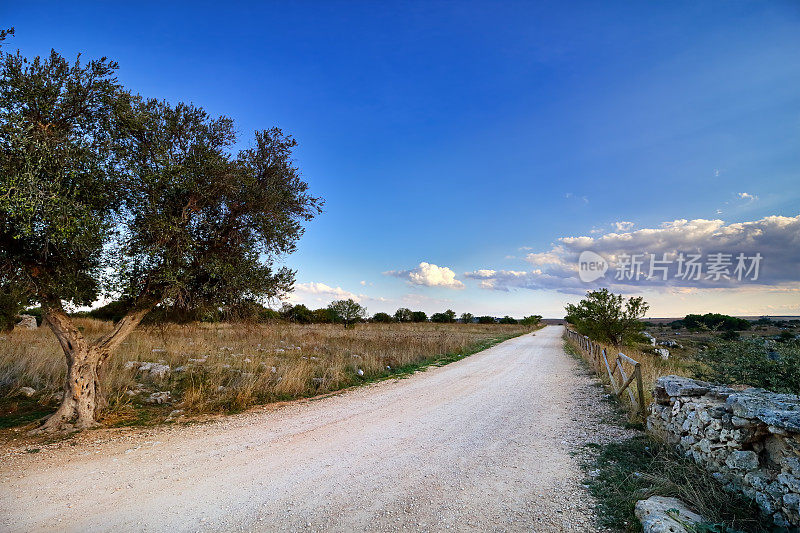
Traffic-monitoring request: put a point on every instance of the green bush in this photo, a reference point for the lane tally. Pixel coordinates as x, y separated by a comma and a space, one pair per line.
755, 362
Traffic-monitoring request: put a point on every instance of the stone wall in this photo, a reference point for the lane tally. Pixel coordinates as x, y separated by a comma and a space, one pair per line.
748, 438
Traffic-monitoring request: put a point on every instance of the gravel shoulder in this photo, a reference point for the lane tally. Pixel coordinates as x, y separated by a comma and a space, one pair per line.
491, 442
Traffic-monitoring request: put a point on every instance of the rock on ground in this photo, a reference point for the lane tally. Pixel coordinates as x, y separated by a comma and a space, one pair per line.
26, 322
659, 514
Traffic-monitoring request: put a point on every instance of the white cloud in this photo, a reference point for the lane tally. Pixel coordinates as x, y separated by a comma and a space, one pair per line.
776, 238
322, 291
623, 226
429, 275
746, 196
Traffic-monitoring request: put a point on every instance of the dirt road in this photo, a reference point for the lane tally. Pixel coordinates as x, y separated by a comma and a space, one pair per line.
482, 443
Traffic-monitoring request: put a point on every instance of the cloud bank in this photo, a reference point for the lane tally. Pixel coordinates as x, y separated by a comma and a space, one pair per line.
775, 238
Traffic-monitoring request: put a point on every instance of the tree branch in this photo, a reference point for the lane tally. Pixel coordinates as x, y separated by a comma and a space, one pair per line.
108, 342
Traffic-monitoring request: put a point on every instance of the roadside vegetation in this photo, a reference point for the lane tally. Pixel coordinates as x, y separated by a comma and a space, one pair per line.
618, 474
227, 367
710, 347
637, 468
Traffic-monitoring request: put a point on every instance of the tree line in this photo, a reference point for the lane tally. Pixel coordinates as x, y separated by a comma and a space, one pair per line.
346, 311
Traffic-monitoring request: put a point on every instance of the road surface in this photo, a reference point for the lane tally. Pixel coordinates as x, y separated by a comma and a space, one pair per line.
480, 444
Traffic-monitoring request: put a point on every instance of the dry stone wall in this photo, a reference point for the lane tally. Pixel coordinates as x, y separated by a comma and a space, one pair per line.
749, 439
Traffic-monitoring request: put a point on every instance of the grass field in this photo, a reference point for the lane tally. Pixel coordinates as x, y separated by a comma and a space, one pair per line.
219, 368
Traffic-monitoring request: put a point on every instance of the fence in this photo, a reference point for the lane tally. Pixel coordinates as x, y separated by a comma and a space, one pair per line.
599, 359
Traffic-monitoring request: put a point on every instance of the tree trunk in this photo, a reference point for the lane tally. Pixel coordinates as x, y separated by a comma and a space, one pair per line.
81, 390
86, 364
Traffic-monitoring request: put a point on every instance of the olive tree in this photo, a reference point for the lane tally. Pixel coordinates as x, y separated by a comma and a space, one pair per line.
607, 317
347, 311
104, 192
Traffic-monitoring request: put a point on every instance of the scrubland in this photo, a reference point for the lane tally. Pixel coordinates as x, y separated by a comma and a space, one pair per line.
174, 371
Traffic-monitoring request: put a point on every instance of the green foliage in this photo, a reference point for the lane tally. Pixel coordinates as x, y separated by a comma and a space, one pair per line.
403, 315
382, 318
297, 313
607, 317
637, 468
60, 186
715, 322
447, 317
755, 362
531, 320
486, 320
419, 316
507, 320
466, 318
348, 312
112, 311
106, 192
12, 303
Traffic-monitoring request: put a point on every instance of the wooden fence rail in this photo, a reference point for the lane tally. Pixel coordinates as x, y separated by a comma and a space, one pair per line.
599, 359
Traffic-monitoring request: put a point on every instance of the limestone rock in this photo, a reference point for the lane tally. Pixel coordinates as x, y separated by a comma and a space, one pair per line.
659, 514
26, 322
27, 391
159, 397
774, 409
681, 386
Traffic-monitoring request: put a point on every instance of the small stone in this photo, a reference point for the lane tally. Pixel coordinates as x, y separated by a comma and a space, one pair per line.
159, 397
27, 391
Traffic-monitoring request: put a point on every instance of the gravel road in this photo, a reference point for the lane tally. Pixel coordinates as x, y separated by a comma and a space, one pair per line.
480, 444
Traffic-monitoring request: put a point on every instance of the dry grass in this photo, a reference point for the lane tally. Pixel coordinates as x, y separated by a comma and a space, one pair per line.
652, 365
227, 368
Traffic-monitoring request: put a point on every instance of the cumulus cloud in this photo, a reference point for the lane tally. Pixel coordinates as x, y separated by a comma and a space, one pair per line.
322, 292
428, 275
775, 238
623, 226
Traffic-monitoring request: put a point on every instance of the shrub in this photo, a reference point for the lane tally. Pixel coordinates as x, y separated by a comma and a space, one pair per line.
607, 317
754, 362
382, 318
419, 316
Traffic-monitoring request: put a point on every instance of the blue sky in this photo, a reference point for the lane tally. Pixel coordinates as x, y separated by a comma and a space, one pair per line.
467, 135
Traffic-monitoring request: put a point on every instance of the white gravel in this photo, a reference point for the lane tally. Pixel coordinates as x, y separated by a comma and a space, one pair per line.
480, 444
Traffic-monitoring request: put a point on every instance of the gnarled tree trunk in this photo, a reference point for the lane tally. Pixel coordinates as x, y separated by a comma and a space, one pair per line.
85, 364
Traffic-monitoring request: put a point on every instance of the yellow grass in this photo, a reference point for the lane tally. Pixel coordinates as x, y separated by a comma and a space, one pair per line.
239, 365
652, 366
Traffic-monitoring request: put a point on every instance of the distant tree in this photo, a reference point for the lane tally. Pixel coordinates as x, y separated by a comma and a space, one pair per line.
112, 311
322, 316
466, 318
715, 322
486, 320
103, 192
447, 317
382, 318
348, 312
419, 316
608, 317
507, 320
297, 313
403, 315
531, 320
